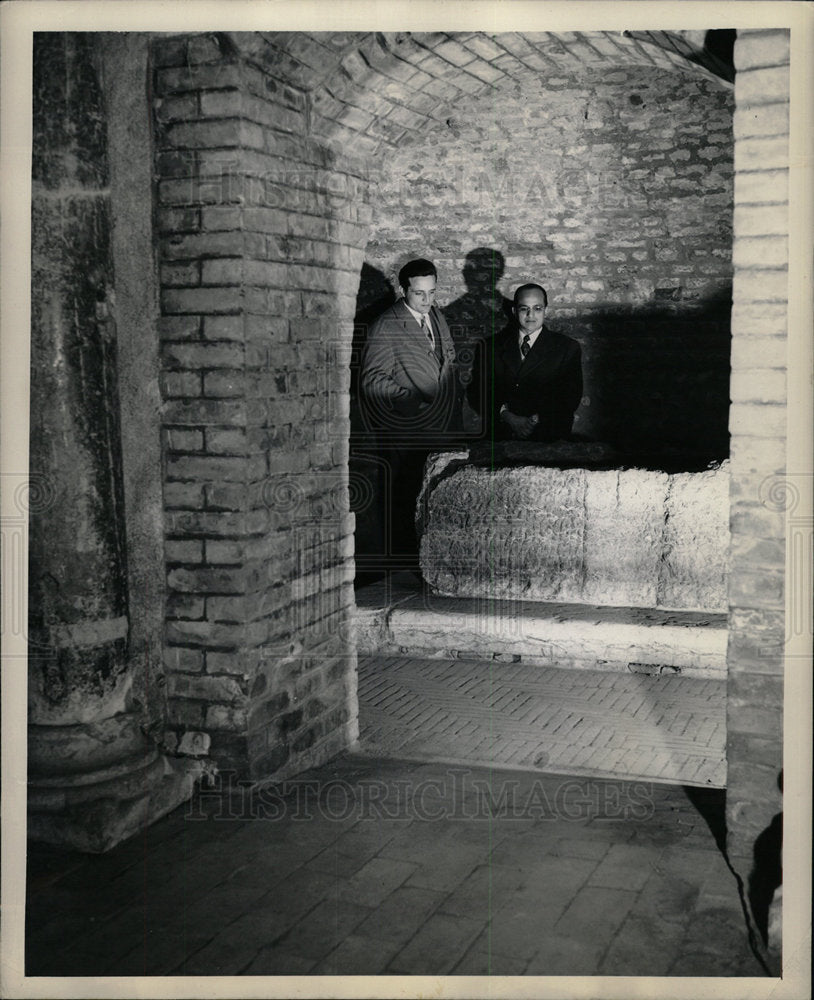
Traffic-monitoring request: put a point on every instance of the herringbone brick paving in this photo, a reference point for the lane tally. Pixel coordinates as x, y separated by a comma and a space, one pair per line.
623, 725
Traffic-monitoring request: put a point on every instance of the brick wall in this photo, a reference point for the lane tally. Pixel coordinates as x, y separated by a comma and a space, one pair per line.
615, 191
259, 270
758, 492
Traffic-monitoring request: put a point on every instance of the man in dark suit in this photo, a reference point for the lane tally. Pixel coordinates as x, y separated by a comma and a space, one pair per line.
528, 383
409, 395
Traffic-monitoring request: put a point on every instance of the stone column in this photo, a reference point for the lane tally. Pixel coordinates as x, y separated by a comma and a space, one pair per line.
94, 775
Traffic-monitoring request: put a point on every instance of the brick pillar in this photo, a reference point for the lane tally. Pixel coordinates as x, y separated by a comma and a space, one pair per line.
758, 429
260, 251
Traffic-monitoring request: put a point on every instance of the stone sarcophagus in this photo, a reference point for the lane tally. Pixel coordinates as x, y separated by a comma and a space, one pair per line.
623, 537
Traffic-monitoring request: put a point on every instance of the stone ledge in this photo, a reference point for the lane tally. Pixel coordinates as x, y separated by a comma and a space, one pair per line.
398, 618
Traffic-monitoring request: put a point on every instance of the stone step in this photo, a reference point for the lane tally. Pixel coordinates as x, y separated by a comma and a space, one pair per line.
399, 616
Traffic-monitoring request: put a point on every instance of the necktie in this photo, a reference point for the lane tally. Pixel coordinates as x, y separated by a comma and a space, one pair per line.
425, 325
525, 347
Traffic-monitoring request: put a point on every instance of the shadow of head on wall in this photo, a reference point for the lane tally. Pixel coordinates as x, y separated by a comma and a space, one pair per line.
655, 373
474, 316
477, 314
482, 310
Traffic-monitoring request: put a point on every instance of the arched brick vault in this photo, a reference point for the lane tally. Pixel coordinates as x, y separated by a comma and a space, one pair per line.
263, 147
258, 287
263, 143
370, 92
373, 89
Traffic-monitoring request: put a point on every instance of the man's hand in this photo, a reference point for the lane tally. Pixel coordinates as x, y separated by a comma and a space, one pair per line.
522, 427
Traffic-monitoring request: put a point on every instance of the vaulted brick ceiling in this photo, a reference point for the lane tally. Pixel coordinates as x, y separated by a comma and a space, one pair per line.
368, 89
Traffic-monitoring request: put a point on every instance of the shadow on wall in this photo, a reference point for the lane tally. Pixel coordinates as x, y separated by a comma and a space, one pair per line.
472, 318
374, 296
480, 313
767, 871
766, 874
483, 310
656, 377
366, 476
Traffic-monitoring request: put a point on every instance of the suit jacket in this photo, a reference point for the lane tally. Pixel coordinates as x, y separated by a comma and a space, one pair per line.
547, 382
407, 389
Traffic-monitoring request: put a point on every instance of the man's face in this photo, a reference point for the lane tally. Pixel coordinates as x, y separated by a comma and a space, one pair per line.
420, 294
529, 310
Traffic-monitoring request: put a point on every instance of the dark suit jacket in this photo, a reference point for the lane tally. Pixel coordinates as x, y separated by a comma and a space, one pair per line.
407, 389
548, 382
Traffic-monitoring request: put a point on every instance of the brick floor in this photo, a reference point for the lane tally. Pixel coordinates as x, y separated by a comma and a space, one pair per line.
436, 870
566, 721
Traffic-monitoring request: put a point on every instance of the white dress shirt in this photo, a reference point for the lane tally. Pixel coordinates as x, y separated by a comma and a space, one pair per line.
419, 318
521, 337
532, 338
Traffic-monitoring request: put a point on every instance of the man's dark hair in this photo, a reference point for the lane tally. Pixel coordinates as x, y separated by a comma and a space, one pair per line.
528, 288
419, 268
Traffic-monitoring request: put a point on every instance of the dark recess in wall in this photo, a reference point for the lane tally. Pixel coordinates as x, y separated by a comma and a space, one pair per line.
656, 376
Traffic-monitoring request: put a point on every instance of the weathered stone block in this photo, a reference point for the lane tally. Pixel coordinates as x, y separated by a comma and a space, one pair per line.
226, 717
238, 664
766, 85
762, 187
748, 654
624, 518
205, 687
224, 385
194, 744
201, 300
767, 420
758, 385
181, 274
695, 538
769, 553
230, 271
626, 537
206, 634
180, 496
762, 153
184, 606
761, 48
761, 120
206, 580
755, 520
754, 690
225, 468
756, 455
180, 385
205, 412
759, 352
756, 589
185, 713
182, 659
183, 440
760, 251
764, 627
203, 355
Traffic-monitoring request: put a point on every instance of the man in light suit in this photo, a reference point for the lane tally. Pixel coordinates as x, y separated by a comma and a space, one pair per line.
410, 395
529, 384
